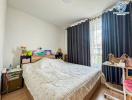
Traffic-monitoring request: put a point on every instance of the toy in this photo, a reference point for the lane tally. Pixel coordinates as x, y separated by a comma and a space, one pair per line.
123, 59
59, 54
23, 51
29, 53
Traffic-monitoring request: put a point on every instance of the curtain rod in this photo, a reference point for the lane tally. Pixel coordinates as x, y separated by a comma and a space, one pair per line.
81, 21
94, 18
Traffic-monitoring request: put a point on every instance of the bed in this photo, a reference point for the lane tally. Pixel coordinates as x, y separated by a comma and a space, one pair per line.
51, 79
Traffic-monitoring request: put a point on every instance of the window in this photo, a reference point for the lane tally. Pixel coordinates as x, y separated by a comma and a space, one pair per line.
96, 41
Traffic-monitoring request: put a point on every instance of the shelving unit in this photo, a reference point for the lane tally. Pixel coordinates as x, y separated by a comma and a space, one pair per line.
122, 66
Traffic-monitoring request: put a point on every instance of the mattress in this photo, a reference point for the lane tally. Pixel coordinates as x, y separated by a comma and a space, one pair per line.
51, 79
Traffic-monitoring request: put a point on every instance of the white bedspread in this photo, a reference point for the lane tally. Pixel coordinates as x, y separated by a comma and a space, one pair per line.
50, 79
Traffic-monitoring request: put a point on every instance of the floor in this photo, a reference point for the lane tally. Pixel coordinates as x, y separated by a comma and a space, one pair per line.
99, 95
22, 94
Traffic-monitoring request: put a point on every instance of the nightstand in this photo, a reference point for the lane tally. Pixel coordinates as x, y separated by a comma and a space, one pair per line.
12, 80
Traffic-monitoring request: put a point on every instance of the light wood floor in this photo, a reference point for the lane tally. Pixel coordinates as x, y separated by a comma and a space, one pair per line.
22, 94
99, 95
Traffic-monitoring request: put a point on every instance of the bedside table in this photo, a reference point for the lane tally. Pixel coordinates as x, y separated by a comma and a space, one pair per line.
12, 80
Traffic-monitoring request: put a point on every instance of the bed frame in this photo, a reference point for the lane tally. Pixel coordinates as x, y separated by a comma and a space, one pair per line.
97, 85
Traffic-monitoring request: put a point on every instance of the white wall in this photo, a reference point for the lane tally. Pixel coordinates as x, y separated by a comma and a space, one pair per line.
2, 28
24, 29
65, 41
2, 32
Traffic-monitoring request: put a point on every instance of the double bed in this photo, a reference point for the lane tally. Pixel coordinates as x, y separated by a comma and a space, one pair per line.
52, 79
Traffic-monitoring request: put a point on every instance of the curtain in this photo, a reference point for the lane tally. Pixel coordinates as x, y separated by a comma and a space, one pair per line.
117, 39
79, 44
96, 41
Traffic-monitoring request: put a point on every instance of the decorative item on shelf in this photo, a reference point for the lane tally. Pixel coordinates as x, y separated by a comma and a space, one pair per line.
114, 60
59, 54
127, 60
29, 53
124, 57
23, 51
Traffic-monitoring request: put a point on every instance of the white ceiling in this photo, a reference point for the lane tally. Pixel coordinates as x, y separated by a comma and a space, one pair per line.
62, 12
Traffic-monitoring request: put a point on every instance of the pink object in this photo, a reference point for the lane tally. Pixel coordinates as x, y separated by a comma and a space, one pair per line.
128, 85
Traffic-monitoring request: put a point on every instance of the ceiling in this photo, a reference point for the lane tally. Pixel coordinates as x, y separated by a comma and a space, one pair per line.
62, 12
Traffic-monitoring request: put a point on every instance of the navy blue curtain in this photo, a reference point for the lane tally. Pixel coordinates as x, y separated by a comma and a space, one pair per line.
117, 39
79, 44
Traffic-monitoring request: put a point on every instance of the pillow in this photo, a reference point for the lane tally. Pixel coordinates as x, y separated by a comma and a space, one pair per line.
39, 53
48, 52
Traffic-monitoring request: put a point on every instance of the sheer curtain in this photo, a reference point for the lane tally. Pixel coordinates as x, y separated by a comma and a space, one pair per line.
96, 41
